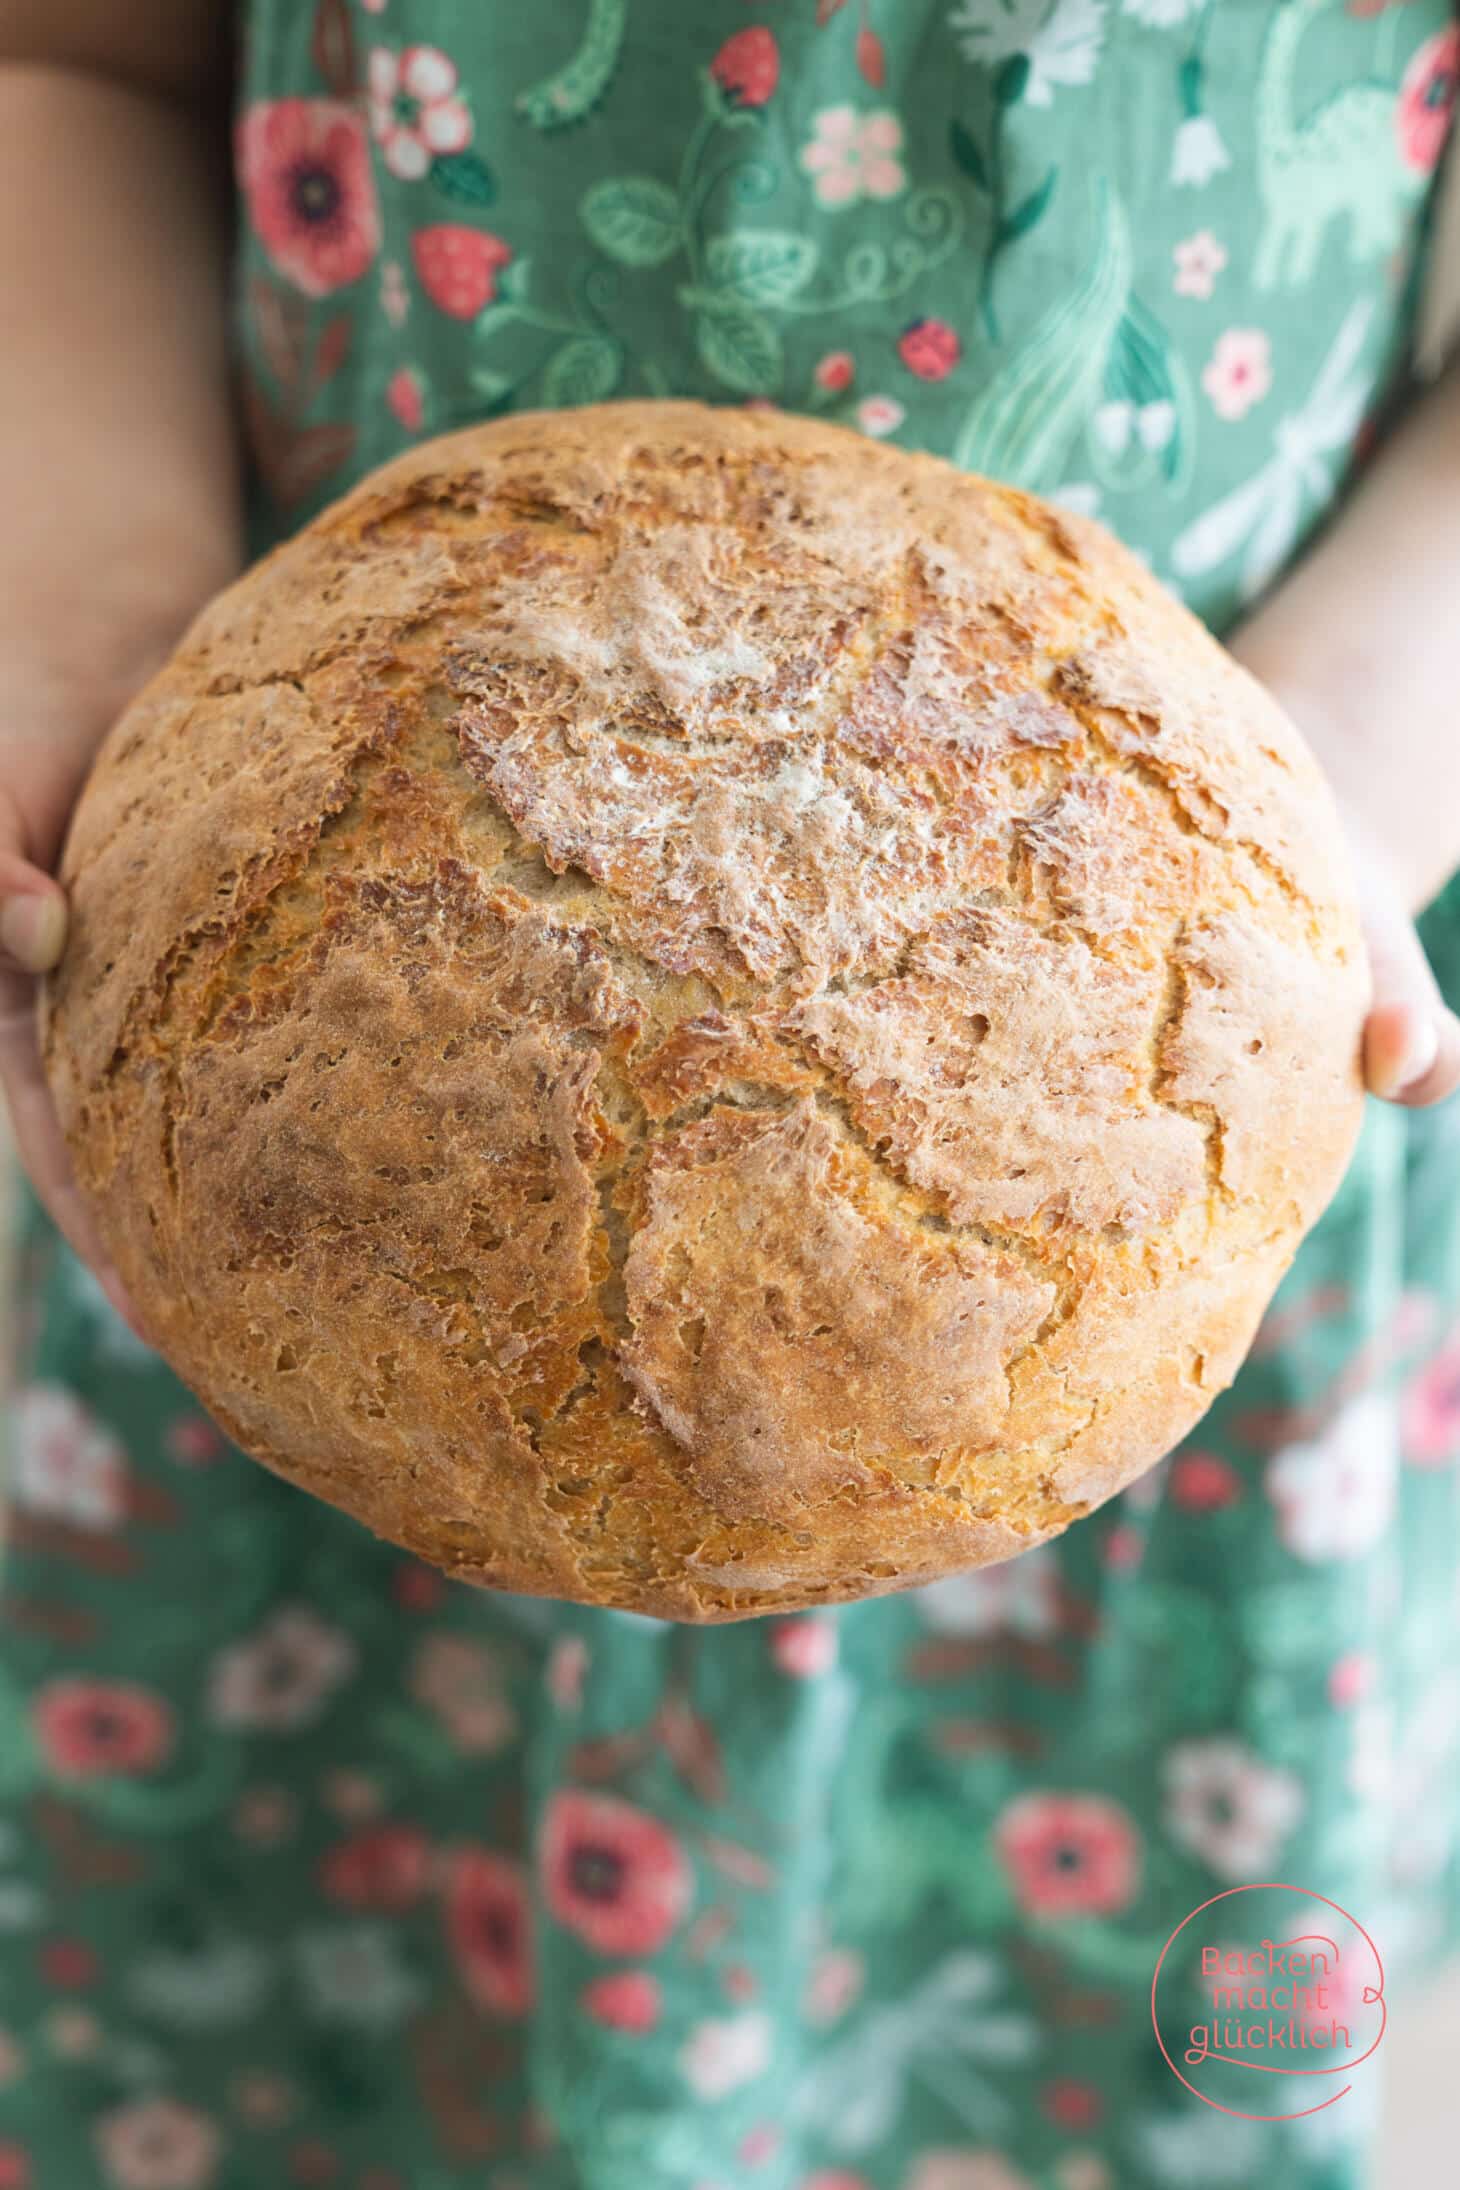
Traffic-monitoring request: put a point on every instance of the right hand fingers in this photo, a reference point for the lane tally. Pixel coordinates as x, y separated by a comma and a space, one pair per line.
32, 935
1412, 1038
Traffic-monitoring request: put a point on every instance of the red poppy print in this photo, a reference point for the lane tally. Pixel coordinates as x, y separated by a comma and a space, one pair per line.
611, 1873
88, 1729
628, 2000
68, 1964
1204, 1482
417, 1588
1427, 99
1122, 1549
748, 66
489, 1930
458, 267
1069, 1855
383, 1868
304, 170
930, 349
1072, 2105
15, 2171
312, 2165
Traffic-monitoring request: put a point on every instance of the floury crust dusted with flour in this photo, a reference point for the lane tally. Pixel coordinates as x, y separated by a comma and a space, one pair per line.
681, 1009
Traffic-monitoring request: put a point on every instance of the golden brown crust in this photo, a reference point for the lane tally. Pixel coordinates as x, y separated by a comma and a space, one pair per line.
676, 1007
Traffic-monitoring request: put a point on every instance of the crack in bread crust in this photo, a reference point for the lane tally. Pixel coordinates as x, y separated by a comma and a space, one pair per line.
592, 813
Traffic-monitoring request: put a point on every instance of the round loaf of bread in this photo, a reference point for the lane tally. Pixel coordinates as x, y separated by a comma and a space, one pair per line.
680, 1009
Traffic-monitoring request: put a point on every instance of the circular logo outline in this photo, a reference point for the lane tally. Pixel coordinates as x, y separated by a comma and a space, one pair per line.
1278, 1885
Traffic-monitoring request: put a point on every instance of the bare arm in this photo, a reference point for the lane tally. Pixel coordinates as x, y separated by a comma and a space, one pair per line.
1360, 645
116, 440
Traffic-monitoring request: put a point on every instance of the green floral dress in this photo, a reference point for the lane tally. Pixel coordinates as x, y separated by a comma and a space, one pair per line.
315, 1870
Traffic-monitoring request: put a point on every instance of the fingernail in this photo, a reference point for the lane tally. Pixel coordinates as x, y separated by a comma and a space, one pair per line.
1418, 1056
33, 929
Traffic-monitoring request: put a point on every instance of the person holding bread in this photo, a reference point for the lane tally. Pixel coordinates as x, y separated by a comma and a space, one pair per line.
666, 835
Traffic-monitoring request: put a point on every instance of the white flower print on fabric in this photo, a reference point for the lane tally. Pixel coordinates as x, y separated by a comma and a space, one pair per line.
1082, 496
1199, 260
720, 2055
880, 414
1263, 516
1200, 2147
1197, 152
1118, 423
1226, 1806
854, 156
395, 298
65, 1465
352, 1973
1060, 39
158, 2144
22, 1908
1335, 1494
1021, 1597
282, 1677
202, 1990
415, 110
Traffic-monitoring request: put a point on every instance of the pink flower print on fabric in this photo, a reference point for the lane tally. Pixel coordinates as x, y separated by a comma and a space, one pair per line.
854, 156
1199, 260
1239, 372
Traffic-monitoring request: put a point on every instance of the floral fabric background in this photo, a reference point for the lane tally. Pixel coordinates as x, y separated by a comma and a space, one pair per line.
317, 1871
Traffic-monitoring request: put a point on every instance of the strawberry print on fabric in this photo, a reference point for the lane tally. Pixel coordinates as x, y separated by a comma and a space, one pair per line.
458, 266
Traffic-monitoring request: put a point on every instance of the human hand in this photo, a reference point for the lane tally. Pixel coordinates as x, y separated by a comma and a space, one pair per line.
41, 771
1403, 849
1411, 1037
